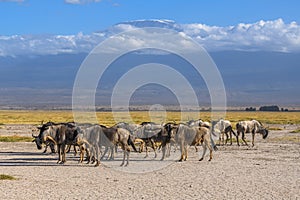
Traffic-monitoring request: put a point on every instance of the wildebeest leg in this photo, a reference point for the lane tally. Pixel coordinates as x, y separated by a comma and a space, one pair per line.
127, 153
52, 147
75, 150
146, 151
45, 148
186, 152
97, 155
204, 151
63, 148
112, 155
243, 138
89, 153
253, 135
154, 148
237, 138
68, 148
168, 146
105, 151
222, 137
59, 153
226, 138
196, 147
124, 154
207, 144
182, 151
164, 145
142, 145
230, 134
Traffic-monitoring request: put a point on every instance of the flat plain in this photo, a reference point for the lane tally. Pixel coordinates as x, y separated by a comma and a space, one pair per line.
270, 170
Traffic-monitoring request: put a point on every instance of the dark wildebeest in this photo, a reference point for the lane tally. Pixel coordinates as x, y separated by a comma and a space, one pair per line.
187, 135
153, 134
61, 135
39, 140
253, 127
223, 127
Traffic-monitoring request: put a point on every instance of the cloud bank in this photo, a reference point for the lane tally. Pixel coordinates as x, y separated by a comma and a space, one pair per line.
275, 36
80, 1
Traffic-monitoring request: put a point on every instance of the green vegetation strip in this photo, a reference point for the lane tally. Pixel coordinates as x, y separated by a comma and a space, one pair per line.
6, 177
296, 131
15, 138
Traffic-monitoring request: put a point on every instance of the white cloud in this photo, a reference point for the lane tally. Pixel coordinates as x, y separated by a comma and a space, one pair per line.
81, 1
263, 35
260, 36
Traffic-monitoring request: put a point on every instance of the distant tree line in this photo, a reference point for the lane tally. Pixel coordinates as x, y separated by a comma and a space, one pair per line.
267, 108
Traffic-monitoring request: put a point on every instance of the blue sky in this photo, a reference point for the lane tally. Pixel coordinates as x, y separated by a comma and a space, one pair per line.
23, 17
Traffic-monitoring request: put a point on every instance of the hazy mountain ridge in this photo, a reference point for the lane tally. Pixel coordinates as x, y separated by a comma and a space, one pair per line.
249, 78
252, 76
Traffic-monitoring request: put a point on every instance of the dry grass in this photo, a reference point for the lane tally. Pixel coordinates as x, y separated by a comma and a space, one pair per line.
15, 138
107, 118
296, 131
275, 129
286, 138
6, 177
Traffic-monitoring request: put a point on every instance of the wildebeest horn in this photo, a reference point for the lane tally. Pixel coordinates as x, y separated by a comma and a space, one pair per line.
51, 139
34, 136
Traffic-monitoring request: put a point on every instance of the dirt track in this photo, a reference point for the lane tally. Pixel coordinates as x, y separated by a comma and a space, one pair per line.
271, 170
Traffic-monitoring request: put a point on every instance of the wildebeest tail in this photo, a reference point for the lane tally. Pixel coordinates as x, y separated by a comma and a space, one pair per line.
214, 146
130, 142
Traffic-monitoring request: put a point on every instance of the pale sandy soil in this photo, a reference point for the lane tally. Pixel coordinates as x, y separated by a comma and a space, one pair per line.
271, 170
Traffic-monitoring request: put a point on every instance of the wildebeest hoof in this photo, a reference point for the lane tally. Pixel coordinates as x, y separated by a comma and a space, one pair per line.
200, 159
97, 164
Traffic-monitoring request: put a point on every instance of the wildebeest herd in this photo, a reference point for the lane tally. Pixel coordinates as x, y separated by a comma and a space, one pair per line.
91, 139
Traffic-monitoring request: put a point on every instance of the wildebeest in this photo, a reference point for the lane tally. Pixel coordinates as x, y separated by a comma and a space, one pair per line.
200, 123
109, 137
186, 136
62, 135
153, 134
39, 140
253, 127
223, 127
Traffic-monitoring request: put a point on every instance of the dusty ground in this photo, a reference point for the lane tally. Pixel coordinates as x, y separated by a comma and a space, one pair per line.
271, 170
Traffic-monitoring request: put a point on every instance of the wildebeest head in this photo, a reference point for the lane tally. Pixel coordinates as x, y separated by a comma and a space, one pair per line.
171, 129
38, 141
264, 133
39, 138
